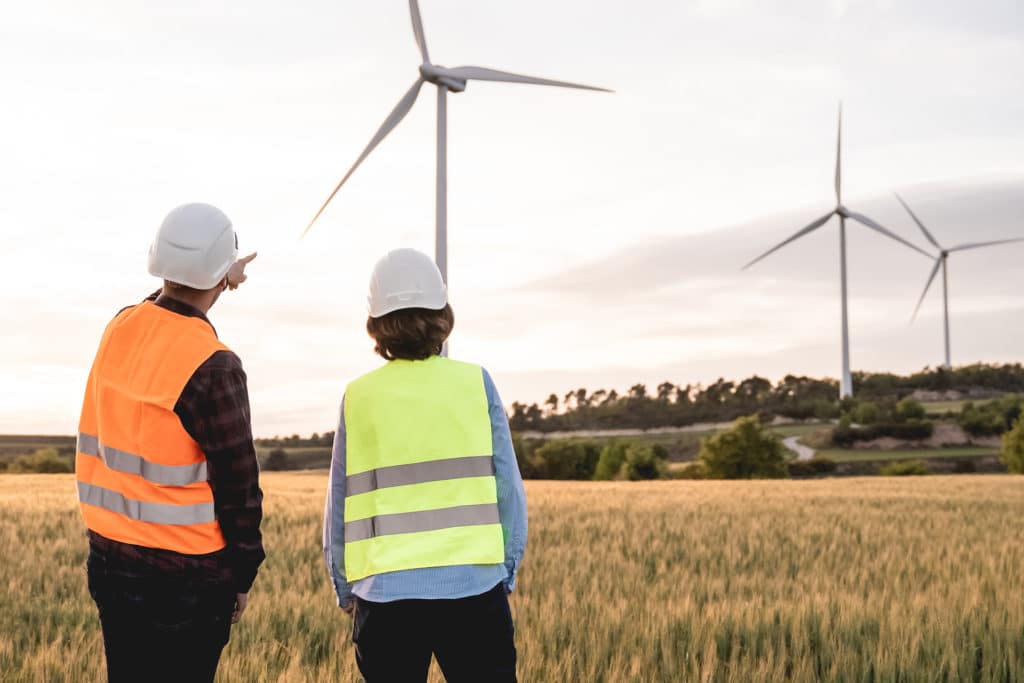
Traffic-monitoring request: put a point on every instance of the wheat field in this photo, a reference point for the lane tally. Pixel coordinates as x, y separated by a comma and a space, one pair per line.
912, 579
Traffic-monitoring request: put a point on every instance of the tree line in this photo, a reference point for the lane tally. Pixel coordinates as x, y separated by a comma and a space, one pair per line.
796, 397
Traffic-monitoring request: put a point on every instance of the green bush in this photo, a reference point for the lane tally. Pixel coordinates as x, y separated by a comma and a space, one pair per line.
865, 413
815, 467
745, 451
276, 461
43, 461
916, 430
992, 418
609, 464
566, 459
909, 409
904, 468
690, 470
1012, 452
644, 462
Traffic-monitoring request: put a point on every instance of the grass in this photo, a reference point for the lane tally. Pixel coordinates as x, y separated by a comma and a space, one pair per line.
842, 580
853, 455
802, 429
938, 408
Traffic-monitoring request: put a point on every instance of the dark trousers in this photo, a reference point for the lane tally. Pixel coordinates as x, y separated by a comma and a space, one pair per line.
159, 627
472, 639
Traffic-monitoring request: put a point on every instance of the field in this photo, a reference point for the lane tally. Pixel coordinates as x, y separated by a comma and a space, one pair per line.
911, 579
852, 454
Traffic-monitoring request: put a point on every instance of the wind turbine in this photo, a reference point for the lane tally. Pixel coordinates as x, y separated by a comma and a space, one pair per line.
942, 261
846, 383
447, 80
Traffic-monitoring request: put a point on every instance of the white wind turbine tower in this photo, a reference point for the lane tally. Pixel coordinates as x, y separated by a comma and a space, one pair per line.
941, 261
447, 80
846, 383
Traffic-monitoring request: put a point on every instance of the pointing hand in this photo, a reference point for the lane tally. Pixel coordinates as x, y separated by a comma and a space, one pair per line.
236, 273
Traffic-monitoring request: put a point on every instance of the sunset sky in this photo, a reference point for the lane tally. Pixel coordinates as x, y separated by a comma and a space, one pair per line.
595, 239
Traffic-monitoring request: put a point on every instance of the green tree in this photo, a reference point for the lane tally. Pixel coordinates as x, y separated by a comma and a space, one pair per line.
865, 413
745, 451
645, 462
566, 459
609, 465
1013, 447
277, 460
42, 461
909, 409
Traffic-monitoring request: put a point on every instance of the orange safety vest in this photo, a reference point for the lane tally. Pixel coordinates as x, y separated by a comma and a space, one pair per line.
142, 479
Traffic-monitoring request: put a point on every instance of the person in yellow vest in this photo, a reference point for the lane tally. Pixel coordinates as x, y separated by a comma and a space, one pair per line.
425, 523
167, 475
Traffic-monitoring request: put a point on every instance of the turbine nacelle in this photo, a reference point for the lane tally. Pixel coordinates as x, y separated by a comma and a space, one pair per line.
439, 75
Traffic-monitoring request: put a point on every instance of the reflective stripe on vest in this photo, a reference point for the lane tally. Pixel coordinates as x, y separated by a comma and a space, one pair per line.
420, 487
122, 461
142, 511
142, 479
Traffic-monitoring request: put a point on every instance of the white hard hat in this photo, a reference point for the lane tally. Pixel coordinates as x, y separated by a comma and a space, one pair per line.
195, 246
405, 278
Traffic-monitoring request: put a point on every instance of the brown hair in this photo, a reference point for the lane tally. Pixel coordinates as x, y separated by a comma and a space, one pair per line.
411, 333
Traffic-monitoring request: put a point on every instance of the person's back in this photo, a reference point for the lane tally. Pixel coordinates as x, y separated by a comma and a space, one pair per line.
166, 469
426, 515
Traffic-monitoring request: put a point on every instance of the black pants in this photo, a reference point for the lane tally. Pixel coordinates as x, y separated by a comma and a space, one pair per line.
159, 627
472, 639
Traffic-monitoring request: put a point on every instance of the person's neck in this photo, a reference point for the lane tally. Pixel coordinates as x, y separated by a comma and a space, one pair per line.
201, 302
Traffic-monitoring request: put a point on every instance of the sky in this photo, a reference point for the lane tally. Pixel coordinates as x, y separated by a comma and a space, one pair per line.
595, 239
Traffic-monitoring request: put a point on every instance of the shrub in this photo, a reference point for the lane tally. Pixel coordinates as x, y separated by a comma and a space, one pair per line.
745, 451
1012, 452
815, 467
865, 413
644, 462
904, 468
43, 461
911, 431
992, 418
965, 466
277, 460
690, 470
609, 464
566, 459
909, 409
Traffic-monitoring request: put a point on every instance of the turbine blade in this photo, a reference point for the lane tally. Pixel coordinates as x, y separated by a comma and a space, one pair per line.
919, 223
839, 157
864, 220
479, 73
393, 119
417, 29
976, 245
935, 271
814, 225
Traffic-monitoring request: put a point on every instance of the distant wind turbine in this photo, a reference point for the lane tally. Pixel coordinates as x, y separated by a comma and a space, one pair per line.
446, 79
846, 383
941, 261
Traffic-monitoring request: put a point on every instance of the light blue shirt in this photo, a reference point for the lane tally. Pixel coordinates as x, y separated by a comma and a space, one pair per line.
458, 581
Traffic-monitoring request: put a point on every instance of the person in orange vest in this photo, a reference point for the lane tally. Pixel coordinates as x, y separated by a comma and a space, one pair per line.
168, 480
426, 522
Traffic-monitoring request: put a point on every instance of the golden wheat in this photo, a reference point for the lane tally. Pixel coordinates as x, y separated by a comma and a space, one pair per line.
914, 579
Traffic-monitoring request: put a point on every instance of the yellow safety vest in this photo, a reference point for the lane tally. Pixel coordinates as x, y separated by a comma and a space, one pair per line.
419, 487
